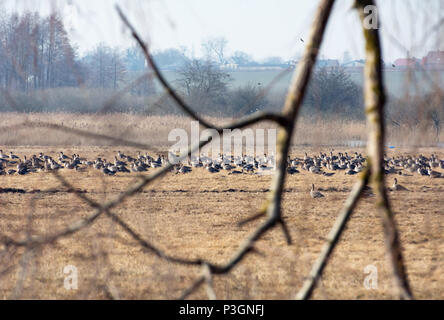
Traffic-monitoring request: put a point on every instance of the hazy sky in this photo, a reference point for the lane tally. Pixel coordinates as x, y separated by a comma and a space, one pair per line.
261, 28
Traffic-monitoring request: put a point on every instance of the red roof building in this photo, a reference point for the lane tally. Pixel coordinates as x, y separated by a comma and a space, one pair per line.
406, 62
433, 60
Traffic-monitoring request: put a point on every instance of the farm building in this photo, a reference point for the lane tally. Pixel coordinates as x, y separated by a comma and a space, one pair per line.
406, 63
433, 60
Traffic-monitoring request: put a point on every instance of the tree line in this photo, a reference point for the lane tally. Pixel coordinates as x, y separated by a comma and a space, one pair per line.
36, 53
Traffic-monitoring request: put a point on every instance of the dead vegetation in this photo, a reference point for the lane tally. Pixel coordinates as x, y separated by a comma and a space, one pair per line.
154, 130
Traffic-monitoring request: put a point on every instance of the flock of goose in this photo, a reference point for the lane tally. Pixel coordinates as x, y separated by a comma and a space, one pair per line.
321, 164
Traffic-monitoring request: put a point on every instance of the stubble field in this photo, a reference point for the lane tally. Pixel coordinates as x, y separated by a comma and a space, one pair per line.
195, 215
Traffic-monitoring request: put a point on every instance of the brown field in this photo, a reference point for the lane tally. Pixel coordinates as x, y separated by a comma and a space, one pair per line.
196, 215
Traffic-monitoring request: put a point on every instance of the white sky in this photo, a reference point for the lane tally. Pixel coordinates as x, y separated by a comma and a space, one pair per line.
261, 28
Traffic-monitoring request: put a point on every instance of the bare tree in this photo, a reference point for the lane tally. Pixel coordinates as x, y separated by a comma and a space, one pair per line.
204, 84
241, 58
333, 92
36, 53
105, 67
215, 48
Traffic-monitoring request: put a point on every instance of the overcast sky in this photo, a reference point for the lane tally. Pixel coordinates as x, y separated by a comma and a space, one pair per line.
261, 28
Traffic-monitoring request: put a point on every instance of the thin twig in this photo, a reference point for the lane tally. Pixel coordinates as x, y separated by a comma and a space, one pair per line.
187, 109
209, 282
333, 237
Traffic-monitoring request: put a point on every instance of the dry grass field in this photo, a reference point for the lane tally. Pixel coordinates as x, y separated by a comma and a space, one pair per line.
62, 95
154, 130
196, 215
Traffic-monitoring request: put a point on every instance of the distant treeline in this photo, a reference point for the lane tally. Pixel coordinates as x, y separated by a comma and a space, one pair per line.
42, 71
36, 54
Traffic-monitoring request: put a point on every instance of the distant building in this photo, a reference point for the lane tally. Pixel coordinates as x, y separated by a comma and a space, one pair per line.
261, 68
354, 65
292, 63
433, 60
406, 63
327, 63
229, 66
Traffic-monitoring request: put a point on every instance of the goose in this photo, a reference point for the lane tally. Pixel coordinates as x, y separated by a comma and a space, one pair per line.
13, 156
315, 169
342, 165
227, 166
211, 169
2, 155
433, 174
63, 157
217, 166
119, 163
237, 171
292, 170
184, 169
350, 172
196, 163
88, 163
138, 168
295, 162
389, 170
398, 187
130, 159
21, 164
97, 165
155, 164
328, 174
108, 172
11, 171
123, 169
55, 165
70, 165
248, 168
315, 194
36, 162
433, 164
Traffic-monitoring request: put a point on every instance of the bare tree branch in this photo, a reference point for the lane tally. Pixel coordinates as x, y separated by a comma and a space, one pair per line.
333, 237
374, 103
196, 284
168, 88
